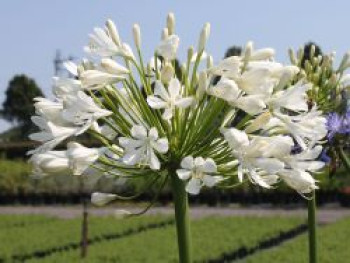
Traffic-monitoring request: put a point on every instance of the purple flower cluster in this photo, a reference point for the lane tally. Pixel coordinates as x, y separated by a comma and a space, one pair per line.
338, 124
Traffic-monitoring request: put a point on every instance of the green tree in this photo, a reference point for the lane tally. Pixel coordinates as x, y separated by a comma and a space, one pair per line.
18, 106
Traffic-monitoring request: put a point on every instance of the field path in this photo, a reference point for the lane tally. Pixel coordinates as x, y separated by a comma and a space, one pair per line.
325, 214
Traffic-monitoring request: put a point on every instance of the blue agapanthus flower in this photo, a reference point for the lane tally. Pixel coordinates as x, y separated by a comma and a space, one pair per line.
334, 124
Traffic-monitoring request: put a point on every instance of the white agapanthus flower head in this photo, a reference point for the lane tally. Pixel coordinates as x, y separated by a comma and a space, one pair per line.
202, 126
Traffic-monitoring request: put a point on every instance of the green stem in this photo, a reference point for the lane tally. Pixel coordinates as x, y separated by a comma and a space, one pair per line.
344, 158
312, 228
182, 219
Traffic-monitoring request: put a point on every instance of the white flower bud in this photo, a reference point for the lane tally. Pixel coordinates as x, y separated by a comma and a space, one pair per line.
101, 199
171, 23
111, 66
203, 37
248, 51
165, 34
113, 32
292, 56
210, 62
202, 85
190, 53
137, 35
121, 213
345, 63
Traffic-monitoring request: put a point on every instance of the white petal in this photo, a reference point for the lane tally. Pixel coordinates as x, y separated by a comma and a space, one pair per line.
174, 88
139, 132
184, 102
193, 186
167, 114
153, 134
156, 103
154, 162
210, 181
160, 91
187, 163
161, 145
183, 174
209, 166
236, 138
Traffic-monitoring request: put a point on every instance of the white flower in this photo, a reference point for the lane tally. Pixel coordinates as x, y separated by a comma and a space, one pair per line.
81, 110
228, 90
101, 199
95, 79
306, 128
141, 148
81, 157
50, 162
168, 47
261, 154
200, 172
50, 135
293, 98
168, 99
305, 160
299, 180
107, 43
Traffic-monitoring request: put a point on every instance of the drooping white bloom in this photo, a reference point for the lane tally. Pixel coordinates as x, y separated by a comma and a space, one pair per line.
107, 43
200, 172
168, 47
229, 91
299, 180
168, 99
141, 148
50, 135
294, 98
50, 162
249, 54
82, 111
307, 128
101, 199
258, 154
81, 157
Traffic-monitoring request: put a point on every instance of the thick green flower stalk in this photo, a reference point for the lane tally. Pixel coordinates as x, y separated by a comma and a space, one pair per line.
157, 123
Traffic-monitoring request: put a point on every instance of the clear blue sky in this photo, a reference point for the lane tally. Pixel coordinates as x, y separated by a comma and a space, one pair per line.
33, 30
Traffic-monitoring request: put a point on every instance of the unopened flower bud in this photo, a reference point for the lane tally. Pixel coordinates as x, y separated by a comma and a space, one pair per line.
210, 62
203, 37
292, 56
165, 34
137, 35
121, 213
202, 85
167, 73
101, 199
344, 64
171, 23
113, 32
312, 51
111, 66
248, 51
190, 53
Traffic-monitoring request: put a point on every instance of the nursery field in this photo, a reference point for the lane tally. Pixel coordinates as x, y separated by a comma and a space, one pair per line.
35, 238
139, 239
333, 246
